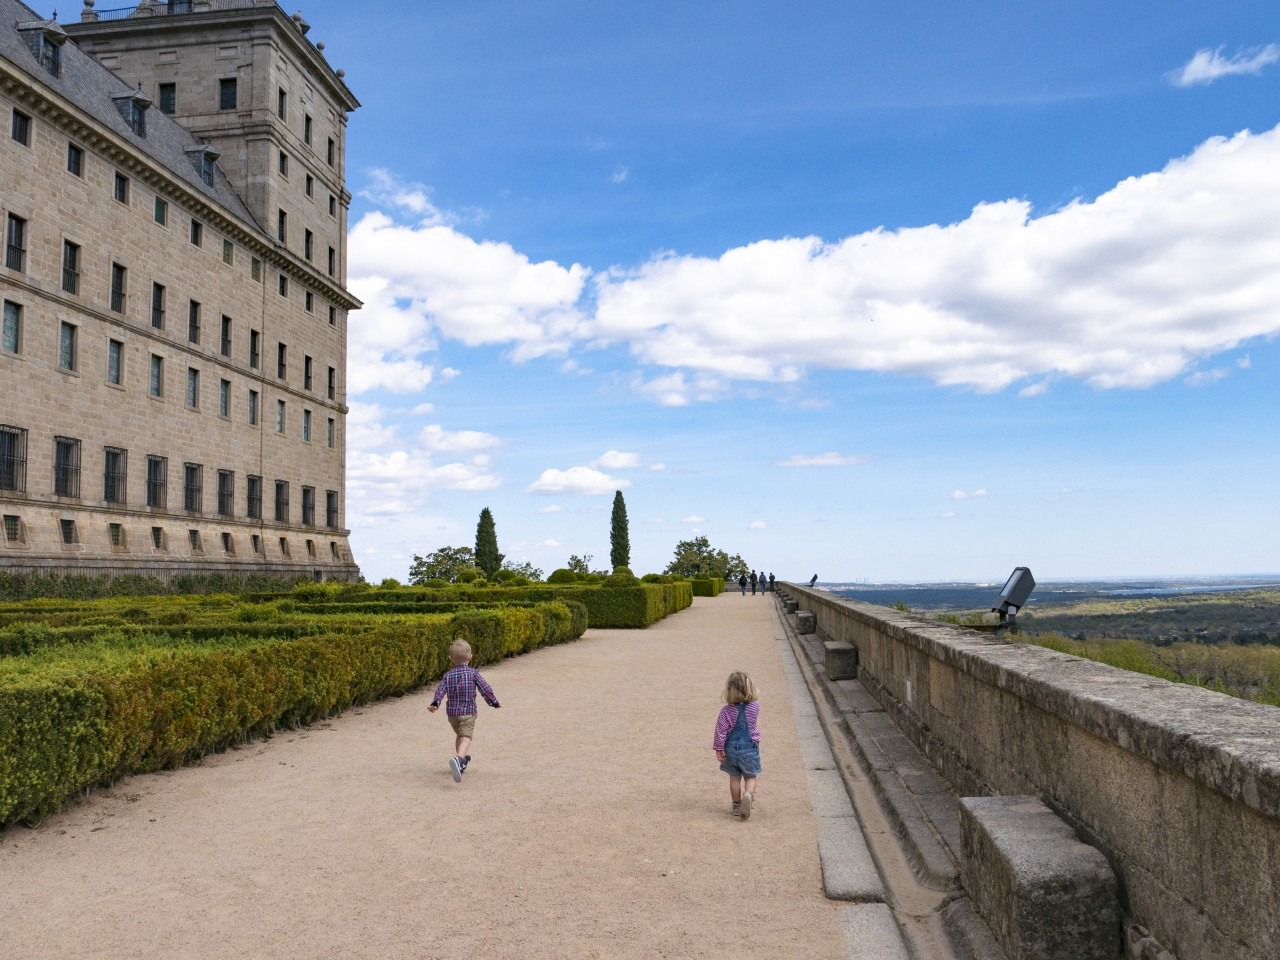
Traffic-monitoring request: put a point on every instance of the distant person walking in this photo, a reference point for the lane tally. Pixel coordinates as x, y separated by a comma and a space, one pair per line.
742, 583
771, 590
459, 686
753, 583
737, 741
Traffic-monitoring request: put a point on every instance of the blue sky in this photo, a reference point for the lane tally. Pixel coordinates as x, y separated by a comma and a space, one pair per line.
912, 291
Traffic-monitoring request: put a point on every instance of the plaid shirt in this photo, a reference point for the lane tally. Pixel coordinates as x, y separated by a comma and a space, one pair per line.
460, 684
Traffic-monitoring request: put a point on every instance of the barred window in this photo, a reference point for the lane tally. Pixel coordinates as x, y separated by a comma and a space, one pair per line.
157, 537
284, 546
75, 159
228, 545
193, 321
192, 487
157, 482
68, 529
308, 506
114, 473
306, 373
119, 287
70, 266
255, 356
115, 533
66, 467
282, 501
225, 343
226, 493
157, 305
282, 367
253, 498
15, 251
12, 528
13, 458
193, 537
331, 509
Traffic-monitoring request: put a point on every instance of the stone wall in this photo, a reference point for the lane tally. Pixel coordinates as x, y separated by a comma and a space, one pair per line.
1178, 786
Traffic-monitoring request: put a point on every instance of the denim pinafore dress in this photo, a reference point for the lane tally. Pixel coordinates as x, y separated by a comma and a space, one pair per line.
741, 753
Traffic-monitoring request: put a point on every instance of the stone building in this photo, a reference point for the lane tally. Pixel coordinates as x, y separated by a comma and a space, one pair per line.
173, 358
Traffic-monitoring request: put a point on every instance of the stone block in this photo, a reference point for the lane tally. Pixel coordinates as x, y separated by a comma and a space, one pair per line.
872, 933
848, 872
806, 622
790, 605
842, 660
1045, 894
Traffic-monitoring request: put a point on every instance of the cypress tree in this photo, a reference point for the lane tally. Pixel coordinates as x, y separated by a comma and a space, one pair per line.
619, 537
488, 558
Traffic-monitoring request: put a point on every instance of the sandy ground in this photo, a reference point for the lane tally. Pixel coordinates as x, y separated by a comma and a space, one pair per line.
593, 823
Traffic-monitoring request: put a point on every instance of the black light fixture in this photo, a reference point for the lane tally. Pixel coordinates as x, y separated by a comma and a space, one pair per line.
1013, 596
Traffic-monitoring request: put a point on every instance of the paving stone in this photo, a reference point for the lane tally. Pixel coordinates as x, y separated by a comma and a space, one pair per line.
872, 933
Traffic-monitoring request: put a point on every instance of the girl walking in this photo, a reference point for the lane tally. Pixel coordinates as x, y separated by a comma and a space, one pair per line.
737, 741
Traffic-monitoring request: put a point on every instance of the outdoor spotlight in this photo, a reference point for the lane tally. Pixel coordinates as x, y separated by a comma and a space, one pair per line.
1013, 597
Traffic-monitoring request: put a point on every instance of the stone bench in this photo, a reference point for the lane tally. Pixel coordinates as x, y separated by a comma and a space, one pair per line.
790, 606
1044, 893
841, 660
806, 622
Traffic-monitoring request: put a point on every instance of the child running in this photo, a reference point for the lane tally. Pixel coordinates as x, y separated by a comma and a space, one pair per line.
459, 685
737, 741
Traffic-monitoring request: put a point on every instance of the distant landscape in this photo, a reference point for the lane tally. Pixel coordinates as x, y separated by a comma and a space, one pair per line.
1219, 633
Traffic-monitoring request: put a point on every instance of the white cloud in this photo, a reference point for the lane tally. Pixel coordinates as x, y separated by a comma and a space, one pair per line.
758, 524
1244, 363
961, 495
828, 459
620, 175
1208, 65
550, 544
948, 514
551, 508
693, 518
434, 438
679, 389
657, 467
385, 189
577, 480
1202, 378
423, 408
615, 460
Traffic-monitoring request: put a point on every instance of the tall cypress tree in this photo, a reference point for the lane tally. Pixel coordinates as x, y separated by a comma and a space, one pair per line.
619, 537
488, 558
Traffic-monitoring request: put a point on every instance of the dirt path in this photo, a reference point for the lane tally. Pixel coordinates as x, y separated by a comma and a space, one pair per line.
593, 823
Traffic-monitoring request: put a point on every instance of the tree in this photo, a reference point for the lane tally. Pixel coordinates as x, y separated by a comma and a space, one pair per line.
488, 558
523, 569
697, 558
443, 564
579, 564
619, 535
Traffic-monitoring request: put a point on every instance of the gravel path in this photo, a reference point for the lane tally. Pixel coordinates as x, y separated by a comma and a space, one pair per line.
593, 823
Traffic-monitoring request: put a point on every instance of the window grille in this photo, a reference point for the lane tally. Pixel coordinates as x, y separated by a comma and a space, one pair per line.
308, 506
282, 501
331, 509
13, 458
66, 467
114, 473
226, 493
253, 498
157, 483
192, 487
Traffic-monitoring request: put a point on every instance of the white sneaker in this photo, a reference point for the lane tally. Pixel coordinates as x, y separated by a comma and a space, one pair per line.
744, 810
455, 767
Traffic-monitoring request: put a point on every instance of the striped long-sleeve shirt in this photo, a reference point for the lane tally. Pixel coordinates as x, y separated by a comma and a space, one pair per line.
460, 684
729, 716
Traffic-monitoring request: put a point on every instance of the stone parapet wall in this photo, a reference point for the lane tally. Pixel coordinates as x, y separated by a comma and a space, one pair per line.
1178, 786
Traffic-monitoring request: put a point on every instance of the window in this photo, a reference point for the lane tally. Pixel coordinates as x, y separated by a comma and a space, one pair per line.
284, 546
224, 343
282, 226
75, 160
70, 266
115, 362
280, 411
255, 542
11, 332
282, 101
283, 164
66, 467
333, 261
330, 151
157, 483
115, 533
282, 367
333, 205
12, 528
308, 241
284, 285
49, 53
253, 498
168, 97
228, 252
157, 537
197, 233
306, 129
122, 188
192, 492
68, 530
308, 301
311, 550
306, 426
15, 250
193, 321
21, 129
119, 287
306, 373
254, 356
193, 537
333, 384
135, 114
156, 384
67, 346
228, 545
333, 315
162, 211
331, 509
226, 493
227, 93
224, 398
114, 467
205, 165
157, 305
253, 408
13, 459
311, 185
282, 501
193, 388
329, 434
308, 506
255, 269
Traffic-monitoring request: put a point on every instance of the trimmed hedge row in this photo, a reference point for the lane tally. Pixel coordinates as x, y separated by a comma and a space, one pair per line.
707, 586
74, 717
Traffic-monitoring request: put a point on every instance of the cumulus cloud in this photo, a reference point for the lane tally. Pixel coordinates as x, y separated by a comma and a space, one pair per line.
961, 495
1209, 64
385, 189
615, 460
828, 459
1202, 378
551, 508
692, 518
436, 438
758, 524
947, 515
577, 480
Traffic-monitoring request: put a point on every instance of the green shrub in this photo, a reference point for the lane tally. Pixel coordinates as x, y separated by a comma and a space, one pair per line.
621, 577
564, 576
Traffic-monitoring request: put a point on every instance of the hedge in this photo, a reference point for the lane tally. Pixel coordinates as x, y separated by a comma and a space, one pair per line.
707, 586
74, 717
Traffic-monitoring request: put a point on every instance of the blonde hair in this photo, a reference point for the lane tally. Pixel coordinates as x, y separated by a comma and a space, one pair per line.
740, 688
459, 651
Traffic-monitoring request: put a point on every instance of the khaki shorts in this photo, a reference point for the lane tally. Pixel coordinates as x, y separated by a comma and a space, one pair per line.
464, 726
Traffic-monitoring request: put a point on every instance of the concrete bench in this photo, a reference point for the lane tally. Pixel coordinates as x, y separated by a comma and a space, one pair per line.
790, 606
1044, 893
806, 622
841, 660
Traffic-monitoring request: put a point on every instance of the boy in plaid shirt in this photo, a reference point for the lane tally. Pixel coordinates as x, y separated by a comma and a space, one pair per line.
459, 686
